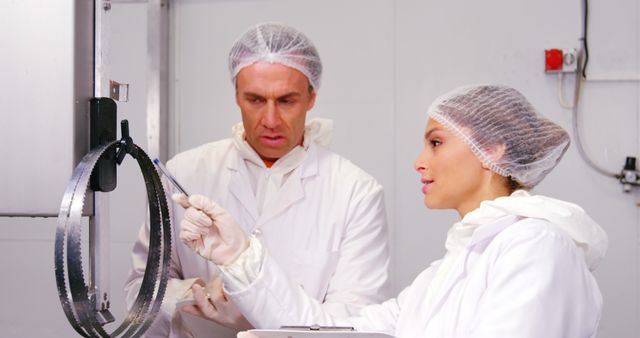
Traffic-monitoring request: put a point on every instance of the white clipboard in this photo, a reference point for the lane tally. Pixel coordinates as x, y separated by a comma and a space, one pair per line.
298, 333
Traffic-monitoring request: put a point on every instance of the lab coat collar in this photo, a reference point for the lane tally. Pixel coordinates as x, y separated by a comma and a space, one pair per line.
568, 217
479, 241
317, 131
309, 167
291, 192
239, 185
483, 235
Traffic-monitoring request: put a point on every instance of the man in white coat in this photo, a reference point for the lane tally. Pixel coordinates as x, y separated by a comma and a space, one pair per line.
321, 217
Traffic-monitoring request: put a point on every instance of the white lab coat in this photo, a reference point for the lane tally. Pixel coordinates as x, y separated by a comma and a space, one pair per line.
326, 228
523, 272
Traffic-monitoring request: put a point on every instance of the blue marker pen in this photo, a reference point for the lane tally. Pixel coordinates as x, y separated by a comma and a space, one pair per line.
167, 174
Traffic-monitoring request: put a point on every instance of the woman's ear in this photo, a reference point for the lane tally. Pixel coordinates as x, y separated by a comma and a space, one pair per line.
495, 152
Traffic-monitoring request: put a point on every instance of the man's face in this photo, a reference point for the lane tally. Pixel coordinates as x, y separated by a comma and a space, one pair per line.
274, 100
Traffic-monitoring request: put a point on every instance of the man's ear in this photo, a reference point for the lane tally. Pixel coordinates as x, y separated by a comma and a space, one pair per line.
237, 95
312, 102
495, 152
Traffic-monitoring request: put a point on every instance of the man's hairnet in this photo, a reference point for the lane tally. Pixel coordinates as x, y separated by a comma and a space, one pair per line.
276, 43
488, 116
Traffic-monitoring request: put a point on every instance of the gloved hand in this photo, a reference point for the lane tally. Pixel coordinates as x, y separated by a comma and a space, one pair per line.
211, 303
209, 230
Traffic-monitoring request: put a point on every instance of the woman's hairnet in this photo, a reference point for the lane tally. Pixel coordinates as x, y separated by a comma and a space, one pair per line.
488, 116
276, 43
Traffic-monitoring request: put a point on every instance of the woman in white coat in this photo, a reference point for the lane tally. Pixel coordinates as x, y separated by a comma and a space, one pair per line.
517, 265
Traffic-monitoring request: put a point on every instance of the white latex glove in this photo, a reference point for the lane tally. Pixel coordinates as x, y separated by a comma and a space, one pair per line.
211, 303
209, 230
246, 334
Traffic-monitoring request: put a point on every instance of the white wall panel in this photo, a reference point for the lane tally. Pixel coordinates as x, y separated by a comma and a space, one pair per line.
47, 75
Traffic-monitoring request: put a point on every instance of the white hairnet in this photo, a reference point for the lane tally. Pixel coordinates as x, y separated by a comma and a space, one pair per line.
276, 43
486, 116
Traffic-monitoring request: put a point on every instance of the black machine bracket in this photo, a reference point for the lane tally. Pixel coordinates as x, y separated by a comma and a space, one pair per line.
103, 130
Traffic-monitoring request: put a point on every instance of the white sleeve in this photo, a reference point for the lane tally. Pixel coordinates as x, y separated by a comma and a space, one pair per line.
539, 286
273, 300
240, 273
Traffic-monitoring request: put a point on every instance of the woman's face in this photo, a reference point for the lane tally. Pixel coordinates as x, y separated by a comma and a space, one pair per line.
452, 176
